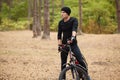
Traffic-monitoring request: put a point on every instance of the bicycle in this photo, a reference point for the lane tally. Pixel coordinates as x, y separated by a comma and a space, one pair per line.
73, 70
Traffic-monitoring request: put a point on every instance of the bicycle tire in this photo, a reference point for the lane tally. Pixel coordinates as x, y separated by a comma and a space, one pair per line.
82, 74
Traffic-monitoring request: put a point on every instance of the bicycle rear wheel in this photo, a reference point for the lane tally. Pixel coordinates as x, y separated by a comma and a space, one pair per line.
73, 73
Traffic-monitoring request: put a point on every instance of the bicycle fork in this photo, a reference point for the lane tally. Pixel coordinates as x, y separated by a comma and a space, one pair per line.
75, 74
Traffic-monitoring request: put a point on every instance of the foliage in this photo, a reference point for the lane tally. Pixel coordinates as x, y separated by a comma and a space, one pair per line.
99, 16
11, 15
18, 10
5, 10
9, 24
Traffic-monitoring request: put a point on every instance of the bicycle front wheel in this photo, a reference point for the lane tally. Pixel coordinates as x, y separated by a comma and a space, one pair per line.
73, 73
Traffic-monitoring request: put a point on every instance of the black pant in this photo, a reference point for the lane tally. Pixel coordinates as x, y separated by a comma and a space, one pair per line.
78, 55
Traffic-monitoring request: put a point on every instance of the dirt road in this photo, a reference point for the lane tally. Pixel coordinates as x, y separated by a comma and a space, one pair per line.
25, 58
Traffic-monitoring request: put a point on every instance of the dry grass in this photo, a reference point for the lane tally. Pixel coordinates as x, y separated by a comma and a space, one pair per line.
25, 58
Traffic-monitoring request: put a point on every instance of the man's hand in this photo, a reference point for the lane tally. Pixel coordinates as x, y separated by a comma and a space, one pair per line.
71, 40
60, 47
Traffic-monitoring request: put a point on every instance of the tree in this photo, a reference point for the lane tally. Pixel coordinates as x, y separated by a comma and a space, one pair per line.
9, 2
62, 3
80, 18
46, 28
0, 10
118, 13
36, 21
40, 12
29, 12
52, 19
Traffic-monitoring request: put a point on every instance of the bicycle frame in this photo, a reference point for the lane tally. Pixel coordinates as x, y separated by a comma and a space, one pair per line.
73, 61
72, 56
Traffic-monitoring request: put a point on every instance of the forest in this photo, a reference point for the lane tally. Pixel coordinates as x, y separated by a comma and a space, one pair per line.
95, 16
29, 44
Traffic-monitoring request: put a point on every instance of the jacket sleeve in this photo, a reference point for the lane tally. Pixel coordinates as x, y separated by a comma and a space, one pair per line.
75, 25
59, 35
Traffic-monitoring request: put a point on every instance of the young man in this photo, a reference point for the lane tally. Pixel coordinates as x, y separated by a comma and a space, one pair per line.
67, 29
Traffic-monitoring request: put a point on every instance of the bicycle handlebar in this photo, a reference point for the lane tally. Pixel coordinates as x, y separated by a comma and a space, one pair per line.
64, 46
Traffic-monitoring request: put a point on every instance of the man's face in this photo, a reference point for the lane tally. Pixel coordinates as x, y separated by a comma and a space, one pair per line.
64, 14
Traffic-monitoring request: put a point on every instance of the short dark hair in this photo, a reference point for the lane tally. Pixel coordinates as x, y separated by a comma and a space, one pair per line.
66, 9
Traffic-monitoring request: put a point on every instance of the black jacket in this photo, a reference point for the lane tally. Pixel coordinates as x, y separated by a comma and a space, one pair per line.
65, 29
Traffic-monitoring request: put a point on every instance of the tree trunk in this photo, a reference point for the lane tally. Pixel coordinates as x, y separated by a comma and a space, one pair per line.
34, 19
80, 18
52, 19
62, 3
0, 5
29, 14
36, 23
8, 2
31, 5
40, 12
118, 13
46, 29
0, 11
